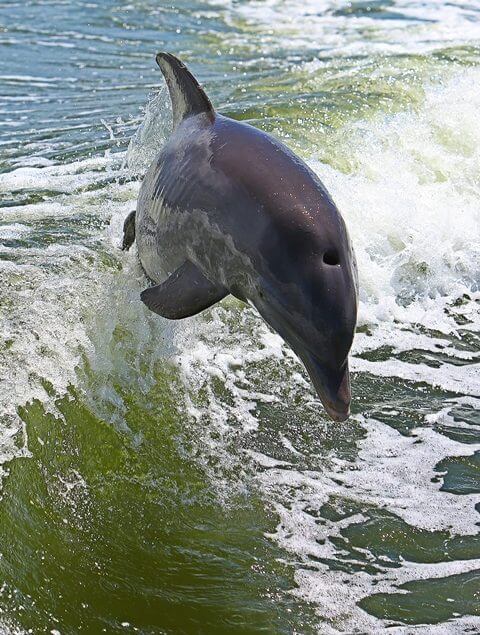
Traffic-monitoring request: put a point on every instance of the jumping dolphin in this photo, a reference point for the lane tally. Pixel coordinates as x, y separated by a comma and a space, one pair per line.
226, 208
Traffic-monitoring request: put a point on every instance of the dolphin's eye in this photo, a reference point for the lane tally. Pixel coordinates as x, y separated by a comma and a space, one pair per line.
330, 257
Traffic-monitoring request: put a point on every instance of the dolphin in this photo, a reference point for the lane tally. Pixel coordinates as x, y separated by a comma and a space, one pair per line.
227, 209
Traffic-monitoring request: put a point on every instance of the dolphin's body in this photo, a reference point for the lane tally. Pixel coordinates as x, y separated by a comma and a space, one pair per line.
226, 208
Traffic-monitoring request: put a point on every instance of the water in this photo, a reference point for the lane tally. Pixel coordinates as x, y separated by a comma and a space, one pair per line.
181, 477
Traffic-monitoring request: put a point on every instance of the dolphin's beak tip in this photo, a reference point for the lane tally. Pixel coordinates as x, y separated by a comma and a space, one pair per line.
338, 415
332, 386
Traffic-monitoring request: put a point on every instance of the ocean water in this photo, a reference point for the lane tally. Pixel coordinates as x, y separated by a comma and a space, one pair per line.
182, 477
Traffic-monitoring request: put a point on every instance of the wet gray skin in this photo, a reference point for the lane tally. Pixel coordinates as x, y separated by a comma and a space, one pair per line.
226, 208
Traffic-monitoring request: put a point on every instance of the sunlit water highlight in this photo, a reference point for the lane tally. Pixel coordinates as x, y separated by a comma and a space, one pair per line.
182, 477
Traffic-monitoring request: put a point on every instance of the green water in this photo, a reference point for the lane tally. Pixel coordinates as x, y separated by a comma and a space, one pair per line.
95, 536
183, 478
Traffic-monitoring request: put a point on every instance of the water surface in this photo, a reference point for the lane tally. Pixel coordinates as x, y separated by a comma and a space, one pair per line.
181, 477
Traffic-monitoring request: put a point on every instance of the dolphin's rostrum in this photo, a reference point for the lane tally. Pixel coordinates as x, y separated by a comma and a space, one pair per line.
226, 208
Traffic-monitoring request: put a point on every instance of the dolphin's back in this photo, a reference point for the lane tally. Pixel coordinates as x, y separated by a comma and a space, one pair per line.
287, 187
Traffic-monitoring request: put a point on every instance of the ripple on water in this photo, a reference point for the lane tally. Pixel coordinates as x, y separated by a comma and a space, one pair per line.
201, 444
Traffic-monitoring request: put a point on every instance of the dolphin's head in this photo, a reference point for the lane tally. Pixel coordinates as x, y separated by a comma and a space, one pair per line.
307, 291
288, 253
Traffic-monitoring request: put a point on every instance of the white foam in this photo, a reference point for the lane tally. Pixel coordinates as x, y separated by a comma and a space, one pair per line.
419, 28
60, 178
392, 473
15, 230
49, 291
464, 380
396, 471
412, 205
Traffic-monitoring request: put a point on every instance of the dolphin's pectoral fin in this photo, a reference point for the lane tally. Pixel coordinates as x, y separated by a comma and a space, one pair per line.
128, 231
185, 293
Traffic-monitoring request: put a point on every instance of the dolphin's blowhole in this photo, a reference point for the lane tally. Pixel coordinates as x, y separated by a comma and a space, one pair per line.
330, 257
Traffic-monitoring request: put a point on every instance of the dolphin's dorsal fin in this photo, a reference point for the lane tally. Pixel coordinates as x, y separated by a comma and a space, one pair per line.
188, 97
